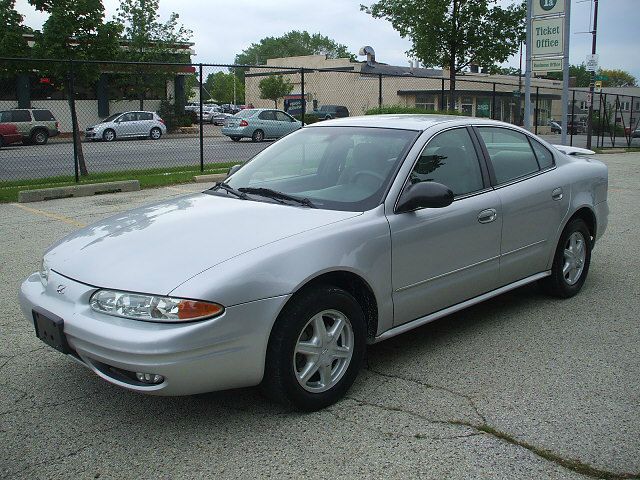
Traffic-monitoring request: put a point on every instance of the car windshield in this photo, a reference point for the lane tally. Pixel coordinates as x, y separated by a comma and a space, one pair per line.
111, 118
337, 168
246, 113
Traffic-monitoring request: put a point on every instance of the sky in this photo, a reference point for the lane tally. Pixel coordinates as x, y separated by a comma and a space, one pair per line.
223, 28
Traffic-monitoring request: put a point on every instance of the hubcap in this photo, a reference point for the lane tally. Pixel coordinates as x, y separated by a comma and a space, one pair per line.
575, 254
323, 351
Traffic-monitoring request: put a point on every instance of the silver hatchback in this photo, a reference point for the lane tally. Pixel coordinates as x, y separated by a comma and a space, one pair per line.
342, 234
127, 125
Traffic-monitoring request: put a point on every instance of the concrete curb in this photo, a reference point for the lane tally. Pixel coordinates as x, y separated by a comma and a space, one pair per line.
216, 177
77, 191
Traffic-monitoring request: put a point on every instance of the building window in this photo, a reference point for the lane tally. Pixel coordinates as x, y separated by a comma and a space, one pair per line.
584, 105
467, 105
428, 102
625, 106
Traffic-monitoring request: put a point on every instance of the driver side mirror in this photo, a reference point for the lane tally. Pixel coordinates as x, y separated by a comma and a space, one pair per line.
233, 169
424, 195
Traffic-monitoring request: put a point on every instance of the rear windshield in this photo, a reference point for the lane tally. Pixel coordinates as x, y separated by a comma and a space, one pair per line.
43, 115
246, 113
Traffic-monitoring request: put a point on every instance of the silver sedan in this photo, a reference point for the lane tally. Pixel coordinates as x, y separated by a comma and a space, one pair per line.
342, 234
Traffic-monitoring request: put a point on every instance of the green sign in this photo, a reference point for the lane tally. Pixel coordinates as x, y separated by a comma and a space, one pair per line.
548, 7
602, 77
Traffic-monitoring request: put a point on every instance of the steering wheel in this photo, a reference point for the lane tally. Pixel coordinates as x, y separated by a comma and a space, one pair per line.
369, 173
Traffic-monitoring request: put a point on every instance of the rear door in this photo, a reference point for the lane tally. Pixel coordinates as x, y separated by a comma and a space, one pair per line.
444, 256
267, 123
286, 123
145, 123
534, 200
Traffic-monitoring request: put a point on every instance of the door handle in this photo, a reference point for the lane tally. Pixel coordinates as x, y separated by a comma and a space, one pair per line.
557, 194
488, 215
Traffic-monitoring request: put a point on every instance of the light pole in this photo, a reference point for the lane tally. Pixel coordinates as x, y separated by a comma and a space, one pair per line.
593, 75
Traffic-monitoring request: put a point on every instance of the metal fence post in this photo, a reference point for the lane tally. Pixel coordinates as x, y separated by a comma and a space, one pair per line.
379, 90
201, 122
493, 102
442, 96
615, 120
303, 102
604, 114
74, 120
537, 111
573, 118
631, 129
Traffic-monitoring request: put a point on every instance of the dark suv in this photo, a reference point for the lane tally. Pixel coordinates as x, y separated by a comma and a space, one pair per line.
35, 125
327, 112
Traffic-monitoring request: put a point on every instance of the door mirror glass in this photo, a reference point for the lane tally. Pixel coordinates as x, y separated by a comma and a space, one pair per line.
233, 169
424, 195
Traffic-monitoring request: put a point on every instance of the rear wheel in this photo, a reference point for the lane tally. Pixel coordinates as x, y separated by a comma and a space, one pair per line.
257, 136
316, 349
40, 137
571, 261
155, 133
109, 135
235, 139
1, 142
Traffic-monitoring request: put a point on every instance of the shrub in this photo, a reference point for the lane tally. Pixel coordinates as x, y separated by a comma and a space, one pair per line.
307, 118
399, 109
173, 120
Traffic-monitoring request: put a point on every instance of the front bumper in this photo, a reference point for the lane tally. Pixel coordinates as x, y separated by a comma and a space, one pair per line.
217, 354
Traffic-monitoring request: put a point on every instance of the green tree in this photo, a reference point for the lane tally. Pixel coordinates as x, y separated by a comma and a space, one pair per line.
582, 76
275, 87
292, 44
617, 78
148, 39
12, 41
455, 33
75, 30
220, 88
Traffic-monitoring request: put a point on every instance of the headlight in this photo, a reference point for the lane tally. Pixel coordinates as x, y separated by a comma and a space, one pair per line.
44, 273
152, 308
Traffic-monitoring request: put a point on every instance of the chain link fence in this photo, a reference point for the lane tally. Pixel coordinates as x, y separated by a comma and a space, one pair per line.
95, 117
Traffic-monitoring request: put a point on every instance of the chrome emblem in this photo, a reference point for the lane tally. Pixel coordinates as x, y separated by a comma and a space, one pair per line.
61, 289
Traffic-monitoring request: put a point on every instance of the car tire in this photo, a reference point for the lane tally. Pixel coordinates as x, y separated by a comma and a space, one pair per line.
257, 136
39, 137
235, 139
1, 142
571, 261
306, 323
155, 133
109, 135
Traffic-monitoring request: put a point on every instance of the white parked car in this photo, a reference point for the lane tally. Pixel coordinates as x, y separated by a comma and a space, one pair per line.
126, 125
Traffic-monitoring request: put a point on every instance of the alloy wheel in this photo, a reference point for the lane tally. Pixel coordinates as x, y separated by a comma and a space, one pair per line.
575, 254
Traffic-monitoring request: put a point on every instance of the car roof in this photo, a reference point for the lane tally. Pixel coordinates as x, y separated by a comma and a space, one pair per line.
418, 122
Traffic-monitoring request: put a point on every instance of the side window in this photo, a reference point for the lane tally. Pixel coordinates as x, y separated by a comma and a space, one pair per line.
267, 115
43, 116
510, 153
21, 116
5, 116
128, 117
450, 159
283, 117
145, 116
545, 159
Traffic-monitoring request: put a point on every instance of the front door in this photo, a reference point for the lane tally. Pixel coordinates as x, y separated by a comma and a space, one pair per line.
444, 256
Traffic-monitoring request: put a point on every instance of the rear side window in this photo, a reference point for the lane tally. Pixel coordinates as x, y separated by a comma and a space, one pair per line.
510, 152
20, 116
43, 116
145, 116
450, 159
282, 117
545, 159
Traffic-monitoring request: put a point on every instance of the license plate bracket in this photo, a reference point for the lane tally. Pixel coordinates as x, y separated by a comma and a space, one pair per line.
50, 329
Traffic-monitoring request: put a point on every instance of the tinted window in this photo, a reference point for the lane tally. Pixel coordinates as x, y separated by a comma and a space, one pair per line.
282, 117
43, 115
20, 116
545, 159
510, 153
450, 159
128, 117
5, 116
145, 116
267, 115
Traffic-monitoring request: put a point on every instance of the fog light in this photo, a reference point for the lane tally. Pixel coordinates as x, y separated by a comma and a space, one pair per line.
150, 378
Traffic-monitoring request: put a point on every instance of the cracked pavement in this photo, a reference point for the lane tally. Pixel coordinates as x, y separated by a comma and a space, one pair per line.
519, 387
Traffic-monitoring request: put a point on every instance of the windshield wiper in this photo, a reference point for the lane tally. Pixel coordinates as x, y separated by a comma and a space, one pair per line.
267, 192
229, 189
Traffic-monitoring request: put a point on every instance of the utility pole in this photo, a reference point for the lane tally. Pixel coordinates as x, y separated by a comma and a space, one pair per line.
593, 75
527, 78
565, 74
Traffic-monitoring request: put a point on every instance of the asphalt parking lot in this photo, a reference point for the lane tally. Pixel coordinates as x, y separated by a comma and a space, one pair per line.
520, 387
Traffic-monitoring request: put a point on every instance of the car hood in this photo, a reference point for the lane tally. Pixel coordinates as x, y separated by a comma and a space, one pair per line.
155, 248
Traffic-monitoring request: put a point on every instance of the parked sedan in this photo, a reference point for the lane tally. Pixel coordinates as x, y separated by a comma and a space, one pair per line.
9, 134
344, 233
259, 123
127, 125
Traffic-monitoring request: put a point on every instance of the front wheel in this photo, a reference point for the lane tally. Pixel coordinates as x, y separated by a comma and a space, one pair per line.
155, 133
235, 139
316, 349
109, 135
571, 261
